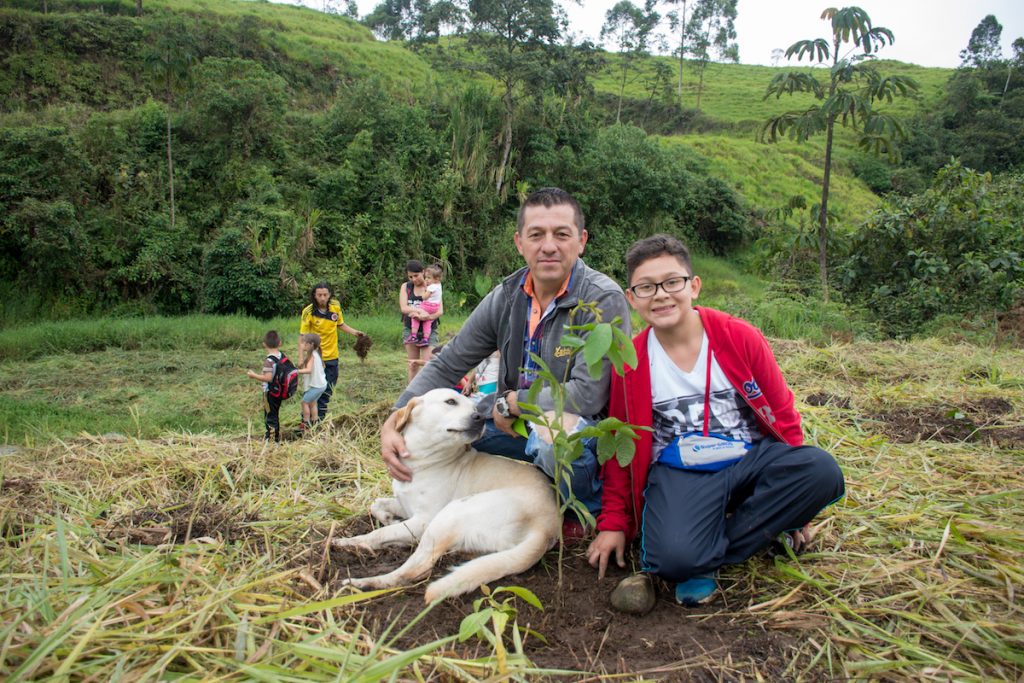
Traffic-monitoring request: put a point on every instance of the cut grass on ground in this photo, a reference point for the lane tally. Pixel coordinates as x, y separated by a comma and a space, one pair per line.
203, 555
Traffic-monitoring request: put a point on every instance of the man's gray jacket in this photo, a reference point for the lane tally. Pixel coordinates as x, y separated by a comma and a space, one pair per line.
499, 322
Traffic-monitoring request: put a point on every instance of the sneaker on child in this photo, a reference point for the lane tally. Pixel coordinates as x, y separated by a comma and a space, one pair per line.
698, 590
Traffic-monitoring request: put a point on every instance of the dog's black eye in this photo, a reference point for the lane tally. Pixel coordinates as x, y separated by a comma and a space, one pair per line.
452, 402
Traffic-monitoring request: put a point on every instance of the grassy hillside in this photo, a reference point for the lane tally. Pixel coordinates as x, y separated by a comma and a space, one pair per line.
310, 149
734, 93
733, 108
72, 56
91, 53
766, 176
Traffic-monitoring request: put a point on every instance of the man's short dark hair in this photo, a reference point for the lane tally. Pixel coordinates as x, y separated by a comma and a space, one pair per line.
272, 340
652, 247
414, 266
548, 197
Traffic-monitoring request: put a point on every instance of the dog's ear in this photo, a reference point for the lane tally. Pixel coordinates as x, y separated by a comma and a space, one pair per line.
404, 414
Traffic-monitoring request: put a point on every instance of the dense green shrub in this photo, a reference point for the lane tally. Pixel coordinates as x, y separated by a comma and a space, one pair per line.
875, 172
633, 187
234, 283
43, 178
236, 108
957, 248
980, 121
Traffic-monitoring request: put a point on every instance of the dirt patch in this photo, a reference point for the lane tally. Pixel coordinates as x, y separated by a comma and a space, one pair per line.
990, 407
1011, 325
977, 420
826, 399
18, 485
1005, 436
179, 524
21, 501
582, 631
947, 425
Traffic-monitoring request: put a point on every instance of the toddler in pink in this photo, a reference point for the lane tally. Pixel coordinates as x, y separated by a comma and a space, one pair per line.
420, 329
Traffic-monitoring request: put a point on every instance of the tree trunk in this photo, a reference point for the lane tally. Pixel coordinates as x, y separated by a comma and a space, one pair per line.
823, 210
138, 8
700, 84
622, 92
682, 45
506, 151
679, 88
170, 165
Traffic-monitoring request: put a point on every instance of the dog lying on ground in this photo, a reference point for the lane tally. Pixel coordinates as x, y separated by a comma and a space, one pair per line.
459, 500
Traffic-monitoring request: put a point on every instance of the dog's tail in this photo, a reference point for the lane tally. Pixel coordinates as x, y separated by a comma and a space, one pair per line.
471, 575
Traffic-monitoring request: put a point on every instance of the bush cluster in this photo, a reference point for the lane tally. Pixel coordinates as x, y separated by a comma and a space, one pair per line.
955, 249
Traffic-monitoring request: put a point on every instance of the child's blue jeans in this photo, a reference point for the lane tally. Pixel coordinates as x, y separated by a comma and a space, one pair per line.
695, 522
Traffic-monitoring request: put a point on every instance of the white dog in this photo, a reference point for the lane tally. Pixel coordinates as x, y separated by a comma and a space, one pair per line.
459, 500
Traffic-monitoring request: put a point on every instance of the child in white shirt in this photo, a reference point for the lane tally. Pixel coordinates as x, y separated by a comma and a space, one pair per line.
314, 381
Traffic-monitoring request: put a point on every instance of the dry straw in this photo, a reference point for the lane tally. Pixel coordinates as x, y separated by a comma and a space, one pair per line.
202, 557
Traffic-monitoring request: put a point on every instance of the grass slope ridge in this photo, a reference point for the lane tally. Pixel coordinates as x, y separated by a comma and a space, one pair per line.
91, 53
734, 93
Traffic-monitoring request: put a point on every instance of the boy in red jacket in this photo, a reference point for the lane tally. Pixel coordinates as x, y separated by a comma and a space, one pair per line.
724, 470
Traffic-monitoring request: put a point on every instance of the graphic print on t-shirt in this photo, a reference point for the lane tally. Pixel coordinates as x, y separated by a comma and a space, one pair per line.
729, 416
678, 399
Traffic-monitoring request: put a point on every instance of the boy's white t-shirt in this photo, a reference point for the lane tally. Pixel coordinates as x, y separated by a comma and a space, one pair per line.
678, 399
269, 365
317, 378
433, 293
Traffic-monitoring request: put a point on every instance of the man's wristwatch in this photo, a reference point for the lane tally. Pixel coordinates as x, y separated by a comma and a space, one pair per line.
502, 406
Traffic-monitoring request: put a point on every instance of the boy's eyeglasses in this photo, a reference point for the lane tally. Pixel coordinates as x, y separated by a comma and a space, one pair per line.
649, 289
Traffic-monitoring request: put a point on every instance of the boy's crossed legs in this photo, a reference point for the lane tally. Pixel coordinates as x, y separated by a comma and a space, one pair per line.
695, 522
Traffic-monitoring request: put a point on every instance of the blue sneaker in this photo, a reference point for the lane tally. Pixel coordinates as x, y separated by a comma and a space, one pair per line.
699, 590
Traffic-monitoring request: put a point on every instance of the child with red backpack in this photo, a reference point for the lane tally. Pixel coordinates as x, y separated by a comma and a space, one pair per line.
280, 379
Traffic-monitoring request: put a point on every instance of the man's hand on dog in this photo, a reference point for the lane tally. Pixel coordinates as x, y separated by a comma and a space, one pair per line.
393, 449
606, 543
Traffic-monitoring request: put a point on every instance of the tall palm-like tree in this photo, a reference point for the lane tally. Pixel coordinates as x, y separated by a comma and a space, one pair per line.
168, 61
849, 96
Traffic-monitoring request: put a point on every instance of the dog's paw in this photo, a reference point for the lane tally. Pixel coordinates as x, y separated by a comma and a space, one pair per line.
362, 584
352, 544
383, 510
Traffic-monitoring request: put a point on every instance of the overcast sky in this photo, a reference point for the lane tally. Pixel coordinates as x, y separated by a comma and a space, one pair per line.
927, 32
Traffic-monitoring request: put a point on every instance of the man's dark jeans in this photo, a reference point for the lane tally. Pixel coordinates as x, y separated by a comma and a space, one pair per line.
586, 486
331, 373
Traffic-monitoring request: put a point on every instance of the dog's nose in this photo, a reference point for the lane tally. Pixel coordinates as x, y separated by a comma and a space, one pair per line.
477, 417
